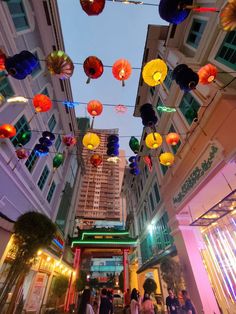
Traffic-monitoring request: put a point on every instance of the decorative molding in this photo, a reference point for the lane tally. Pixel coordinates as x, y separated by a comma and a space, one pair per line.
203, 166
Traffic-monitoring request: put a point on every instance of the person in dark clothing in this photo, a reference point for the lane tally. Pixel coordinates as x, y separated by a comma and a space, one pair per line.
188, 306
105, 304
172, 303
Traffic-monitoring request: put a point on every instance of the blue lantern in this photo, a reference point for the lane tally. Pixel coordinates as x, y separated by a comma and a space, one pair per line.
134, 170
113, 145
174, 11
42, 149
21, 65
185, 77
148, 115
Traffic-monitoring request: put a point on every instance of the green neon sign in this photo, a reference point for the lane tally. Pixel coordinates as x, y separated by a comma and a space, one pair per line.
104, 233
103, 242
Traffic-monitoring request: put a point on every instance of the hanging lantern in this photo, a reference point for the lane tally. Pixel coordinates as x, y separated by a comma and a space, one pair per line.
91, 141
41, 150
172, 139
45, 141
24, 137
59, 64
173, 11
228, 16
2, 99
22, 153
93, 68
113, 145
58, 160
120, 109
121, 70
134, 144
153, 140
148, 162
42, 103
148, 115
69, 140
7, 131
49, 135
185, 77
134, 170
207, 74
94, 108
96, 160
92, 7
154, 72
2, 60
21, 65
167, 159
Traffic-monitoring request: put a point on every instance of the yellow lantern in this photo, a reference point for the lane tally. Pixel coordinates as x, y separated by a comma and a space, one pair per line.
154, 72
91, 141
167, 159
153, 140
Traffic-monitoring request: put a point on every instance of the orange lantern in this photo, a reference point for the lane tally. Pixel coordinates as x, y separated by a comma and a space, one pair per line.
96, 160
42, 103
172, 139
93, 68
228, 16
2, 60
7, 131
207, 74
94, 108
121, 70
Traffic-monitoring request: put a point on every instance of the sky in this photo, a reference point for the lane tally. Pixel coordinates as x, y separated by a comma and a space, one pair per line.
118, 32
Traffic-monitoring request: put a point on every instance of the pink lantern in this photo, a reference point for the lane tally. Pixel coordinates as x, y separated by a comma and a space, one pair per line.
22, 153
120, 109
69, 140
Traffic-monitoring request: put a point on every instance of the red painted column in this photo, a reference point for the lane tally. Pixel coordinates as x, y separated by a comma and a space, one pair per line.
71, 290
126, 269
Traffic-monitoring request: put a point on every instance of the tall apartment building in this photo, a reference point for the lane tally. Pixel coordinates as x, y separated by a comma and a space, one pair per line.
32, 185
189, 208
99, 194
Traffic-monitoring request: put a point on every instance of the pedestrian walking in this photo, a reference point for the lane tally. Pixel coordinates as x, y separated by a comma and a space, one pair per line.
188, 305
172, 303
134, 303
105, 304
85, 306
147, 306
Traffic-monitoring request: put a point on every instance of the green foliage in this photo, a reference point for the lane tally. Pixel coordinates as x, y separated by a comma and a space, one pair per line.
171, 273
60, 286
121, 281
81, 281
32, 231
150, 285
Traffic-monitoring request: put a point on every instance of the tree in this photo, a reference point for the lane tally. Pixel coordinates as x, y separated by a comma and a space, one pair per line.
81, 281
150, 285
59, 287
121, 281
32, 231
171, 273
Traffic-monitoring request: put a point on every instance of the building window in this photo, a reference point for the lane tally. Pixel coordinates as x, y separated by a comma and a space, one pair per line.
5, 87
18, 14
21, 126
163, 167
51, 191
152, 90
196, 32
159, 104
58, 142
156, 191
43, 177
168, 79
227, 52
163, 237
174, 147
189, 108
38, 68
31, 161
151, 201
51, 123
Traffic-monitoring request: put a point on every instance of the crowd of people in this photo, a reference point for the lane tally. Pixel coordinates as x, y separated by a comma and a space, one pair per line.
134, 303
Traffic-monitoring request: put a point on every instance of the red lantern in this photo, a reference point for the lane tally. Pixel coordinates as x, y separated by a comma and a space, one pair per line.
148, 162
22, 153
172, 139
121, 70
7, 131
69, 140
42, 103
96, 160
94, 108
93, 68
2, 60
92, 7
207, 74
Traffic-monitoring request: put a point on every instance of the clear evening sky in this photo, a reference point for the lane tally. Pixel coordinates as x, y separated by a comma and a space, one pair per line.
118, 32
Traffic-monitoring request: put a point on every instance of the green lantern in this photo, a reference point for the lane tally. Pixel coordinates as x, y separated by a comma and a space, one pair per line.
134, 144
58, 160
24, 137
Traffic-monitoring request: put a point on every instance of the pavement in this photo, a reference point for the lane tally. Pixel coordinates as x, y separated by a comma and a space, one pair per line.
118, 311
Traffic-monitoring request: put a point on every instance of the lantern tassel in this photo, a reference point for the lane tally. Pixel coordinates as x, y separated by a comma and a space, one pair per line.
92, 123
32, 117
88, 80
123, 83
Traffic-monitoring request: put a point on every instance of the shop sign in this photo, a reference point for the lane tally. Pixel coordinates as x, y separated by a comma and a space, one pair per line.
203, 166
